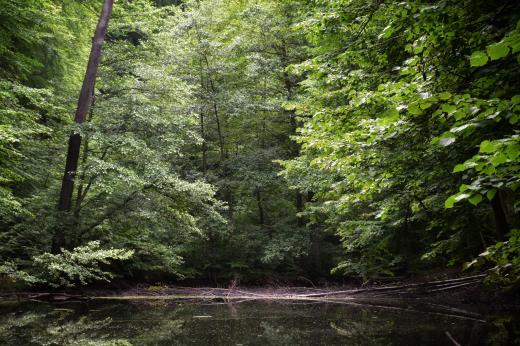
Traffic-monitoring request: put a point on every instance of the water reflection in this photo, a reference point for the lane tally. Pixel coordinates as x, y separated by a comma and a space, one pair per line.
252, 323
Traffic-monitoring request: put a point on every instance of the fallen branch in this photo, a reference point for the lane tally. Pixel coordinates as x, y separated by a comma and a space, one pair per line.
453, 286
430, 284
452, 339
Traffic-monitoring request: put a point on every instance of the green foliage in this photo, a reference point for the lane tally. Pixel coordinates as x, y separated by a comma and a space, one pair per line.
234, 56
391, 105
40, 51
21, 108
131, 190
82, 265
505, 258
242, 139
496, 167
499, 50
10, 275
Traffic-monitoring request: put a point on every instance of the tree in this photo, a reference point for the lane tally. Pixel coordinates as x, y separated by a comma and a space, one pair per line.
393, 104
84, 102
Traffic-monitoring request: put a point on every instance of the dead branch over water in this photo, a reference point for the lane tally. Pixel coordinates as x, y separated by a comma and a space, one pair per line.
302, 293
405, 297
287, 294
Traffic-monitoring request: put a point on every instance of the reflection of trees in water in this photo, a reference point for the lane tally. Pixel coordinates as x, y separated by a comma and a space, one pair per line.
155, 323
363, 333
361, 328
159, 323
277, 335
366, 329
55, 328
505, 331
82, 331
73, 327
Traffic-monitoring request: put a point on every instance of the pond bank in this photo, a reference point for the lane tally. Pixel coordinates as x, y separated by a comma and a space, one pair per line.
465, 290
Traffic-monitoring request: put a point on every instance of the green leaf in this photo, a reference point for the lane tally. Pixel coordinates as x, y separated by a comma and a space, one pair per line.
487, 147
475, 199
498, 50
498, 159
512, 152
463, 166
462, 196
489, 169
445, 96
514, 43
413, 109
387, 32
478, 59
459, 168
448, 204
448, 108
491, 194
463, 128
447, 139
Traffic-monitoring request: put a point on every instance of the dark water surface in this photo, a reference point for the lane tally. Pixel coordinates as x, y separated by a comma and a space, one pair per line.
248, 323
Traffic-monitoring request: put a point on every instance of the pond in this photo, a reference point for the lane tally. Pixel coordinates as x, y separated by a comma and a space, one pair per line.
247, 323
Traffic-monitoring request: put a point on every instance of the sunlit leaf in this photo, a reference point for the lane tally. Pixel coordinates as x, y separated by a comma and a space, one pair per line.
498, 50
478, 59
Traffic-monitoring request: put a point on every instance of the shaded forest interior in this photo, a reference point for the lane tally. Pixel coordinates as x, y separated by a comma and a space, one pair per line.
258, 141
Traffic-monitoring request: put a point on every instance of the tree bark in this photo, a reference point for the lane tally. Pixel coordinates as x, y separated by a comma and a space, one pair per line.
204, 146
299, 209
295, 148
202, 129
82, 190
261, 216
502, 228
215, 112
219, 131
74, 145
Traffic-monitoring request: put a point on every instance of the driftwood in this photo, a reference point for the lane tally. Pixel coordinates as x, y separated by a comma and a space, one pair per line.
406, 297
426, 287
43, 296
423, 289
407, 292
452, 339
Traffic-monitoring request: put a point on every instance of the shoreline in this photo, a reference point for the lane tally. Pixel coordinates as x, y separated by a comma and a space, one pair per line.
465, 290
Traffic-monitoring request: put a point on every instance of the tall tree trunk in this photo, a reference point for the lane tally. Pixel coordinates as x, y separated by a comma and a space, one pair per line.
215, 112
204, 146
316, 254
261, 216
502, 228
202, 129
295, 148
219, 132
82, 190
299, 209
74, 145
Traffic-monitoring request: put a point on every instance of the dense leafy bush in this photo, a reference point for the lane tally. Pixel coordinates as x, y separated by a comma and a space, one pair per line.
505, 259
82, 265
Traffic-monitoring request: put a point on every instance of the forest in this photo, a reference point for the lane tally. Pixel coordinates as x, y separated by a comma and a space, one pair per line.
258, 141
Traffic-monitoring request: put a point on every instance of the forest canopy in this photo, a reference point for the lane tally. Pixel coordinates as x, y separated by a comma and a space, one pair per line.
259, 140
